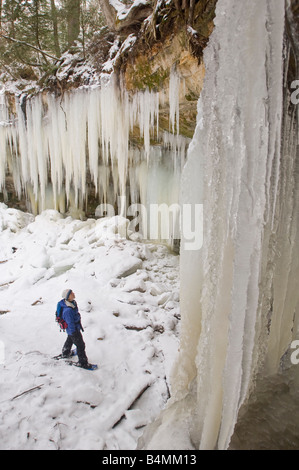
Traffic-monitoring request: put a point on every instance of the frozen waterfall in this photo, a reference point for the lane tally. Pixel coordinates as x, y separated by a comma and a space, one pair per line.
56, 148
239, 290
239, 293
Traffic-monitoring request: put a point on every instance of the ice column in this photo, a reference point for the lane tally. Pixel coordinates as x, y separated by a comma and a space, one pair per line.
234, 167
242, 113
174, 100
3, 124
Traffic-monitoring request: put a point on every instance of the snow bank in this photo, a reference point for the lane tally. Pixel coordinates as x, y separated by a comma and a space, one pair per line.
128, 296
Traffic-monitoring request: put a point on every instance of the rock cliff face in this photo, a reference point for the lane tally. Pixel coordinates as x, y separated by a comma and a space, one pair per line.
141, 45
153, 71
148, 45
164, 36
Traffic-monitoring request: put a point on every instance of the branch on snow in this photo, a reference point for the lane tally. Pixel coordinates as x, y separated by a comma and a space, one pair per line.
140, 393
28, 391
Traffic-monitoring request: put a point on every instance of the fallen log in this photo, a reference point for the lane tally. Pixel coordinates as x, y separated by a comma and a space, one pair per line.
140, 393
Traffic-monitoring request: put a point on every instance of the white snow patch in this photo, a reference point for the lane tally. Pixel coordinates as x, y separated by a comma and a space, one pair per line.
131, 332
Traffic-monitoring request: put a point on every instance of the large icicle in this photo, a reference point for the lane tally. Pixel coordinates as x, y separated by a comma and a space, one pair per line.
54, 145
237, 295
3, 137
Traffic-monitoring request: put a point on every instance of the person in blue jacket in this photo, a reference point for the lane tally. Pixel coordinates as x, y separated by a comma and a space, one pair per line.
72, 317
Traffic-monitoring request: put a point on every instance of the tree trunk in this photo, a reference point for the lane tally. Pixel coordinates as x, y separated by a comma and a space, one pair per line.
37, 29
12, 19
73, 21
55, 28
1, 14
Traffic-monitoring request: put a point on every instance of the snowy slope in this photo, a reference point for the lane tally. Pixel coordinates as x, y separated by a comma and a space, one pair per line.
128, 297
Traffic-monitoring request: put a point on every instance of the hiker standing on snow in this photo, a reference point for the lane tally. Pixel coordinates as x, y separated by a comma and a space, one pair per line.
72, 317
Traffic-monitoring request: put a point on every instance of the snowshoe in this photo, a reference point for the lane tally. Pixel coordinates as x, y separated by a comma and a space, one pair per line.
83, 366
61, 356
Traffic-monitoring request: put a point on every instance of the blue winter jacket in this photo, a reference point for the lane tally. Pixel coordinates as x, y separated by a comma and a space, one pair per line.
72, 317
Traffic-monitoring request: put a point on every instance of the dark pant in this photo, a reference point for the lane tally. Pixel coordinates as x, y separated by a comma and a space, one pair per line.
77, 340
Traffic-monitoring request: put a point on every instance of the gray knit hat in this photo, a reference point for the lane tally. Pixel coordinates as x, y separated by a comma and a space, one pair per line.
66, 293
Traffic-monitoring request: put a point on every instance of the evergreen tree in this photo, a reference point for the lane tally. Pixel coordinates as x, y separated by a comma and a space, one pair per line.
35, 32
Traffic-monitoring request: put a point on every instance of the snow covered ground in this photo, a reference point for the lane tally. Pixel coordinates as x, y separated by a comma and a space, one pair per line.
128, 297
